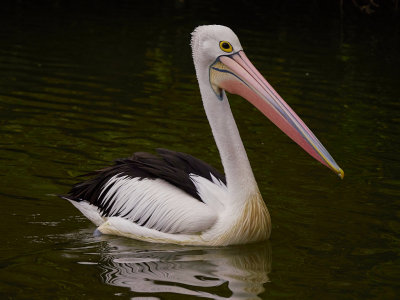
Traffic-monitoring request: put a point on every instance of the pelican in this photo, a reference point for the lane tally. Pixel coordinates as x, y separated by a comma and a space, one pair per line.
172, 197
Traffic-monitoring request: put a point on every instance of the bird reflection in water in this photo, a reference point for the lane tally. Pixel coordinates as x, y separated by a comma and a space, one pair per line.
236, 272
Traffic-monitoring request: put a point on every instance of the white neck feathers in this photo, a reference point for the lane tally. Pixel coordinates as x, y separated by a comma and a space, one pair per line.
240, 179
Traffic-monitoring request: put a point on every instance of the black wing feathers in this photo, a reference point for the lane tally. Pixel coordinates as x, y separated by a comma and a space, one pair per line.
190, 164
173, 167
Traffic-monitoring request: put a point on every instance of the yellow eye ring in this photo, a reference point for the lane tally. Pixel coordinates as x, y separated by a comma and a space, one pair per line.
225, 46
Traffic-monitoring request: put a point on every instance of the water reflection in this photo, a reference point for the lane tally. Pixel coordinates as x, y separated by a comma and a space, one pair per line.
237, 272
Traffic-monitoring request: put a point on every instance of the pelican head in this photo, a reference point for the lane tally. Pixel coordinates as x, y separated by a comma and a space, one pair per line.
218, 48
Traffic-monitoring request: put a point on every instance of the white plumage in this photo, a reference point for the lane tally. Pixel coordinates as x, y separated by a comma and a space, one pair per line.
154, 203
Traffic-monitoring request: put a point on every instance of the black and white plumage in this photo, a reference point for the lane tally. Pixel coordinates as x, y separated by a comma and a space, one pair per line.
110, 190
173, 197
174, 167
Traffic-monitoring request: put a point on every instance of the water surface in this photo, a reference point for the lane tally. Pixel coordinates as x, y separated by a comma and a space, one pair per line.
81, 86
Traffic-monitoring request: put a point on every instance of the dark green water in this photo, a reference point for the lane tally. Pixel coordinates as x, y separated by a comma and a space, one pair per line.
82, 85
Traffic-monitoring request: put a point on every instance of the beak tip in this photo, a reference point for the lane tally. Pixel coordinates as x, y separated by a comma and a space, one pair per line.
341, 173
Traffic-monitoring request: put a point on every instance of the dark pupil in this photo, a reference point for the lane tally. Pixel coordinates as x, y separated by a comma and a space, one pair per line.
225, 45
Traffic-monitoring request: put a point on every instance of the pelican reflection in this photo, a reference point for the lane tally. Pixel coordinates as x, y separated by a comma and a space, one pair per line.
236, 272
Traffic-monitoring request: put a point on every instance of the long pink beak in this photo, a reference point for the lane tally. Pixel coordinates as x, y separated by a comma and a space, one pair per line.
237, 75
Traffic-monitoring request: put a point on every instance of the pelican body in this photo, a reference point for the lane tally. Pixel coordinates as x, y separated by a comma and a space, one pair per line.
173, 197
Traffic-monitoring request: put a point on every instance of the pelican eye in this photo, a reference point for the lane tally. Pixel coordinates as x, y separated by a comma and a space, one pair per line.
225, 46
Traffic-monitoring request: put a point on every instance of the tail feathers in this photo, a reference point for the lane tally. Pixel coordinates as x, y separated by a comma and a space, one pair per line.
69, 198
88, 210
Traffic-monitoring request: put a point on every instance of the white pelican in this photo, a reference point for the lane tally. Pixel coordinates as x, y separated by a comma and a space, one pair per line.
173, 197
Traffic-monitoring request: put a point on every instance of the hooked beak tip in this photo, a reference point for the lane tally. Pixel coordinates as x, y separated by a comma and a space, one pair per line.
341, 173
